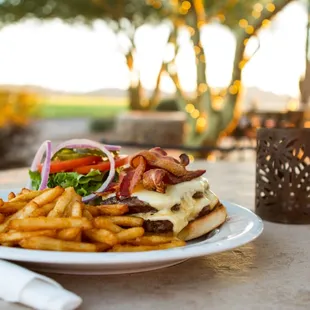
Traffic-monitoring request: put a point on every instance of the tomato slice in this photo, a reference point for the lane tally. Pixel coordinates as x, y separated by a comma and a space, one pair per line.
103, 166
70, 164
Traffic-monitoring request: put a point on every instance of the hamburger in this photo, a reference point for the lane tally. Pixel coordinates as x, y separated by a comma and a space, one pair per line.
156, 187
170, 198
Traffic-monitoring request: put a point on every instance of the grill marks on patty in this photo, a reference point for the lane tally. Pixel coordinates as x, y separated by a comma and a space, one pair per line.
158, 226
198, 195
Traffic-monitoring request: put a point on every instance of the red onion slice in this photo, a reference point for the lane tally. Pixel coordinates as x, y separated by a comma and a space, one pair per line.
85, 143
46, 147
46, 166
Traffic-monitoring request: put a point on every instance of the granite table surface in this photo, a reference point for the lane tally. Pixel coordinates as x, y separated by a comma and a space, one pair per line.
272, 272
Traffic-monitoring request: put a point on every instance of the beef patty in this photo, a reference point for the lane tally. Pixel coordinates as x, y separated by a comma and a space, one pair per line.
136, 205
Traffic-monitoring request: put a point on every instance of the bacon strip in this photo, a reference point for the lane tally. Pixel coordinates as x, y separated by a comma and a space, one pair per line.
156, 170
158, 179
157, 158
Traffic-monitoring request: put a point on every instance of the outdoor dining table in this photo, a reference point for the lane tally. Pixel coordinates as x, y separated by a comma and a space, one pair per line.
272, 272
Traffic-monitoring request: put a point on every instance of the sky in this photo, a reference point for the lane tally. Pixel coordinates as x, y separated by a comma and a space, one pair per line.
82, 59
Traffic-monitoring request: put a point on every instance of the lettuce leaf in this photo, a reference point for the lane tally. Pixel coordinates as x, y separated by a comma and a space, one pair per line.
83, 184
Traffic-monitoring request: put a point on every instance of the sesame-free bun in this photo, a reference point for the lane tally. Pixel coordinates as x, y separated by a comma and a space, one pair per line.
205, 224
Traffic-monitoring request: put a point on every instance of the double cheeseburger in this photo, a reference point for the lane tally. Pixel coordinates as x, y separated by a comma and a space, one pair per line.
170, 198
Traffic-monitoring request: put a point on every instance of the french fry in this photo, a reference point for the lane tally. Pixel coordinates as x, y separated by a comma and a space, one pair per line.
151, 240
25, 191
62, 202
126, 221
101, 247
103, 222
78, 237
12, 207
11, 195
23, 213
44, 210
69, 234
87, 214
56, 219
37, 223
17, 236
75, 202
51, 244
28, 196
117, 209
129, 234
48, 196
76, 209
142, 248
8, 244
93, 210
102, 236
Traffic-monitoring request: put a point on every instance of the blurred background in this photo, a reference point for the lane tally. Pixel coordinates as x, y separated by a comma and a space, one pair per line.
199, 76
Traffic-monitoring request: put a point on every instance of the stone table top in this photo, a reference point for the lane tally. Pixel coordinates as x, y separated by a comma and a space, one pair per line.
273, 272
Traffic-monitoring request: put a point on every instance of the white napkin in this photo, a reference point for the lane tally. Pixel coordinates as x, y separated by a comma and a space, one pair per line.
18, 284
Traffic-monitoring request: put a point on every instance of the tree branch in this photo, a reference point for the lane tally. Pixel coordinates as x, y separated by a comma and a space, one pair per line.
196, 17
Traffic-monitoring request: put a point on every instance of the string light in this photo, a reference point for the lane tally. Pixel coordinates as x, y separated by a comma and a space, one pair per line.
233, 89
265, 23
242, 64
191, 30
202, 87
202, 58
245, 42
221, 17
270, 7
186, 5
237, 83
201, 122
157, 4
189, 108
197, 49
256, 14
195, 113
183, 11
243, 23
249, 29
217, 103
258, 7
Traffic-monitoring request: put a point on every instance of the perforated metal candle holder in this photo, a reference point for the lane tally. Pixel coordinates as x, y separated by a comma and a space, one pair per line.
283, 175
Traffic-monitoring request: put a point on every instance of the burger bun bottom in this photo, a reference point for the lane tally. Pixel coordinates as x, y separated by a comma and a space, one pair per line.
205, 224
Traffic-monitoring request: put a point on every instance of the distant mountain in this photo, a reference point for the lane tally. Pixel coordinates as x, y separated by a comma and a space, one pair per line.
264, 101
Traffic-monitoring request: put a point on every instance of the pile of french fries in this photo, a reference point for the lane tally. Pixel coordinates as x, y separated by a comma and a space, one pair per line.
56, 219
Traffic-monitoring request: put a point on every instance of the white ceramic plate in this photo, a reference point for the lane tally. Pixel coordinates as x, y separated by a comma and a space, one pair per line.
242, 227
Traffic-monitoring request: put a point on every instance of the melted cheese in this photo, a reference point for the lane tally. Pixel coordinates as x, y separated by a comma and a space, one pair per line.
180, 194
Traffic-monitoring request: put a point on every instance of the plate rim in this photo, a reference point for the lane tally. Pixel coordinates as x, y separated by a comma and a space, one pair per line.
207, 247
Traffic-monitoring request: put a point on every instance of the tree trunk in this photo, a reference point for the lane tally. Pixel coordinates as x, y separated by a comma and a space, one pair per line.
225, 121
153, 101
135, 94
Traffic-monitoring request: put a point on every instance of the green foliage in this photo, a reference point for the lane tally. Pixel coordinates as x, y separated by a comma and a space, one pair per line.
230, 12
102, 124
168, 105
85, 11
